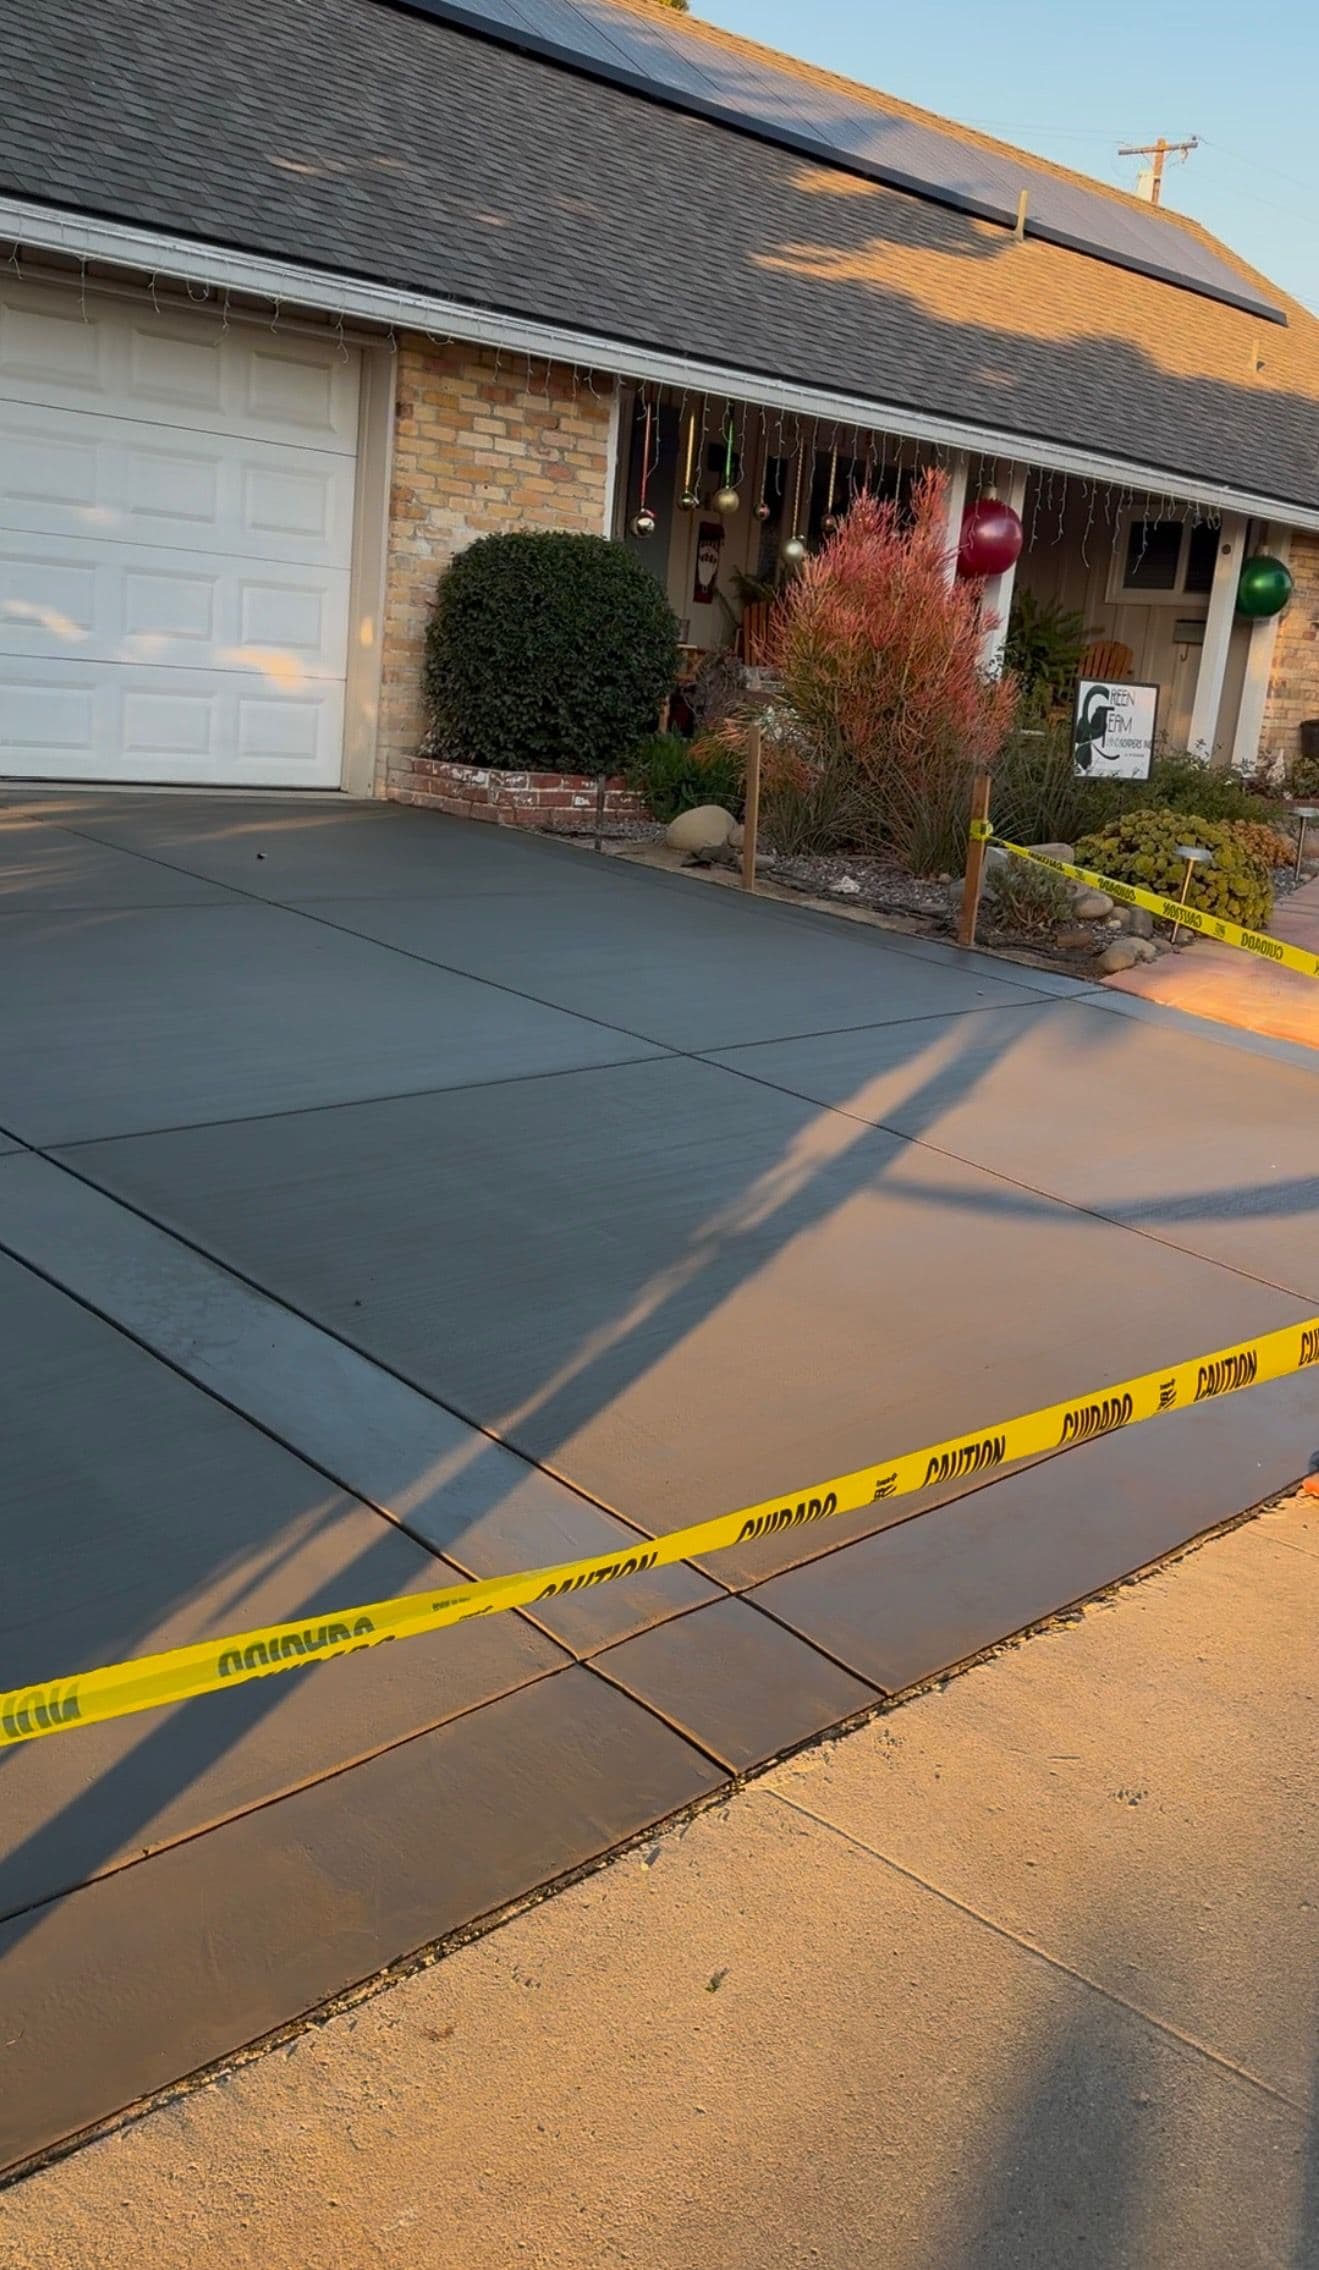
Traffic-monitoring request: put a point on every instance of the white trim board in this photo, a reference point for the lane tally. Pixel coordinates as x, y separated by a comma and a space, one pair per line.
83, 237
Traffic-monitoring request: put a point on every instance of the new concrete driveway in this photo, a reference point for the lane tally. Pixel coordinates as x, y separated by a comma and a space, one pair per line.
381, 1198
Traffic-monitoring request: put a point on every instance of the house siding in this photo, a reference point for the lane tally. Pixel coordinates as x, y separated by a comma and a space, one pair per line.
482, 444
1294, 680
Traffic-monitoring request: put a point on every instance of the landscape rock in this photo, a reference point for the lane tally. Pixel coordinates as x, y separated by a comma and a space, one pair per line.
1146, 950
847, 887
1074, 941
1124, 953
737, 836
1063, 851
1137, 921
707, 828
1092, 906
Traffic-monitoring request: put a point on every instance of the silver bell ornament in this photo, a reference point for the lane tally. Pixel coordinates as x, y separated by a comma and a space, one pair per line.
643, 522
727, 501
690, 500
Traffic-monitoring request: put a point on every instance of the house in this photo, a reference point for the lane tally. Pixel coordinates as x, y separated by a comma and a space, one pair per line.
297, 297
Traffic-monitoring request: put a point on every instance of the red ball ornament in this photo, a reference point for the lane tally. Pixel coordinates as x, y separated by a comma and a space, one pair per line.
991, 538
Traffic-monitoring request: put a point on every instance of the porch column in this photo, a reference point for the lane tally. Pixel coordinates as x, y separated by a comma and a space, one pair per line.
1218, 632
998, 589
1259, 667
956, 505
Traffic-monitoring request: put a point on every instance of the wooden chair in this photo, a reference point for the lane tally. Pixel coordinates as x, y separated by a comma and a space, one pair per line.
1107, 658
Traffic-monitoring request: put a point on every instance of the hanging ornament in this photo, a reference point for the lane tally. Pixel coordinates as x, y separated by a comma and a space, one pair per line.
830, 522
991, 538
763, 508
727, 500
1265, 587
690, 498
643, 519
794, 551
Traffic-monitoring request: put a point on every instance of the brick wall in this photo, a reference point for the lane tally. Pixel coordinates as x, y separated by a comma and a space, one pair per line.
479, 447
561, 801
1294, 681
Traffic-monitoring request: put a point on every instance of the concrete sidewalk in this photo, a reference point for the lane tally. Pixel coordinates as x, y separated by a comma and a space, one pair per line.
1236, 989
1018, 1977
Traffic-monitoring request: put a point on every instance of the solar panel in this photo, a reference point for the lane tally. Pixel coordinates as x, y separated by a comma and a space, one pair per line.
671, 63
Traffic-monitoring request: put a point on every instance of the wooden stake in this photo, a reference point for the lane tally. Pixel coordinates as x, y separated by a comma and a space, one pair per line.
975, 863
751, 815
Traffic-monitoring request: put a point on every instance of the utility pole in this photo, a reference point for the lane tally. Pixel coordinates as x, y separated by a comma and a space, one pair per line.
1150, 184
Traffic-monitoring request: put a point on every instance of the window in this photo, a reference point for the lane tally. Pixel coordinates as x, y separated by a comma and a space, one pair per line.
1154, 555
1166, 560
1201, 554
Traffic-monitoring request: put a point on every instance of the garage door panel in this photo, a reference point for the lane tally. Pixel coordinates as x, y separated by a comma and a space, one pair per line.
92, 351
176, 517
80, 474
89, 601
71, 720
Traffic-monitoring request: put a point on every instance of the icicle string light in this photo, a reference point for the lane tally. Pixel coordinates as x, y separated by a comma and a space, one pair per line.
643, 520
690, 499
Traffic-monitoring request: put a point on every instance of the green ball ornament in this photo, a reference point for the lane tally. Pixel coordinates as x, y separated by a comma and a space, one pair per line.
1264, 589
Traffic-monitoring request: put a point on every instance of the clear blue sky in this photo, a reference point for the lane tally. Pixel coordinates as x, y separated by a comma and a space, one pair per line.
1073, 81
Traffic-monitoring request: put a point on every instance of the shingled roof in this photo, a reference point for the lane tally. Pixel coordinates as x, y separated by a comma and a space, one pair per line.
362, 139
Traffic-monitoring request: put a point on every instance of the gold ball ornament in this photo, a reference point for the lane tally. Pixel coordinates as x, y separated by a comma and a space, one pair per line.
727, 501
643, 522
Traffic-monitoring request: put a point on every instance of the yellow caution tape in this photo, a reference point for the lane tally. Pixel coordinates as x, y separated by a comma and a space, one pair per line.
1214, 926
86, 1697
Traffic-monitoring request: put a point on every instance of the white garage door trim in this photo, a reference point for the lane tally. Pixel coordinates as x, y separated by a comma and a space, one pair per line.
190, 582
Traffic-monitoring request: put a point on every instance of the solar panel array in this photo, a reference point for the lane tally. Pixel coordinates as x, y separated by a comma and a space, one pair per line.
669, 62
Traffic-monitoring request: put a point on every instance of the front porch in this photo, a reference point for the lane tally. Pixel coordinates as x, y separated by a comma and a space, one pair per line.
721, 500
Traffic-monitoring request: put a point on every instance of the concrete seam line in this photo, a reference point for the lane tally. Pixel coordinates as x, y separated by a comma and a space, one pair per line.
1041, 1954
206, 1666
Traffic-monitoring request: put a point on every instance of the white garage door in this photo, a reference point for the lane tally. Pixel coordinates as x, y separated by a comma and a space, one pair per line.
176, 513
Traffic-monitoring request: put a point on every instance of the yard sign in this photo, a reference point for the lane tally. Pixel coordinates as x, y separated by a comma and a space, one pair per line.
1113, 729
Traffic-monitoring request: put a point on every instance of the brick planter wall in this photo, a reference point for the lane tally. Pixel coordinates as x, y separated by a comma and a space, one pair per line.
1294, 682
560, 801
480, 446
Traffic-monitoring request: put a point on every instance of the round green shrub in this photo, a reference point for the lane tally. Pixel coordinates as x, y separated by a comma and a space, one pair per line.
547, 652
1303, 780
1141, 847
1027, 900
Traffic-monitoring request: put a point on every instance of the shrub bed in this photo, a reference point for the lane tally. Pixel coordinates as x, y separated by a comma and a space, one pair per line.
1141, 847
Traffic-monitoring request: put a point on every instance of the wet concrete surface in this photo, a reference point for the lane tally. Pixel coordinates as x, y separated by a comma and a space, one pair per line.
372, 1216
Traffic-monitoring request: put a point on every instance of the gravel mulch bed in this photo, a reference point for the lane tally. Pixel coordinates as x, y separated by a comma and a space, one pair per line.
881, 887
882, 884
